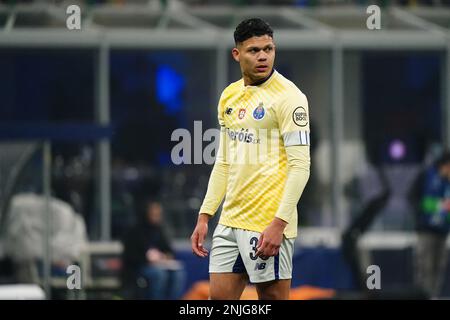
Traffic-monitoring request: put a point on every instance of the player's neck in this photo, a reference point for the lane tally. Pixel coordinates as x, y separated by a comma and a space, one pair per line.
251, 82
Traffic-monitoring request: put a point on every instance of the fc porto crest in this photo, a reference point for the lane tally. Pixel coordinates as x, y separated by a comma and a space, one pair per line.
241, 113
259, 112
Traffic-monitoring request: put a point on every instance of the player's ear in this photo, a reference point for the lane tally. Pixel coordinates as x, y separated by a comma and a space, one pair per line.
235, 53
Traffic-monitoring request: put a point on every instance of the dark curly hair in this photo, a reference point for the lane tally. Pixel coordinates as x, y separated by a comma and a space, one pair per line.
253, 27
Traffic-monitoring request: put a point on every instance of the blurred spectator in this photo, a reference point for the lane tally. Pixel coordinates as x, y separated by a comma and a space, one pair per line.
25, 232
431, 195
148, 258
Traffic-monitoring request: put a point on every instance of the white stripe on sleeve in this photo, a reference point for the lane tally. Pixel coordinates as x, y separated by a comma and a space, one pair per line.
296, 138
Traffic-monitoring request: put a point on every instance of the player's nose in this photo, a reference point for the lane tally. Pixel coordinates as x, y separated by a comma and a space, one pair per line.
262, 56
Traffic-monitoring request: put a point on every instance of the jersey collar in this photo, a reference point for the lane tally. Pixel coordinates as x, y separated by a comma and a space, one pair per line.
262, 82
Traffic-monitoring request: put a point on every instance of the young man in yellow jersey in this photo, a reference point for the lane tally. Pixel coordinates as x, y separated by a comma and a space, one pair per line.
262, 166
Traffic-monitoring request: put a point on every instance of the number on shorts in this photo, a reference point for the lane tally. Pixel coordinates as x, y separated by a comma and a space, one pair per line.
253, 243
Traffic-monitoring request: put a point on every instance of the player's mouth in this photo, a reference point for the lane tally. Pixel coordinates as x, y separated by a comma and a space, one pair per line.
262, 68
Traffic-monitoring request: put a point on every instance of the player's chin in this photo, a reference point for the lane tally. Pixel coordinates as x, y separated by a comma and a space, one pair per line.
258, 76
261, 73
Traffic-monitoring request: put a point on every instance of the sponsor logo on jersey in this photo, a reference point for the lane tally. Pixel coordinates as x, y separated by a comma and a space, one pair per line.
241, 113
259, 112
300, 117
243, 136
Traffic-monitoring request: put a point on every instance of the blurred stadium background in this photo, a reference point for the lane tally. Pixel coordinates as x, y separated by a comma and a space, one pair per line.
87, 116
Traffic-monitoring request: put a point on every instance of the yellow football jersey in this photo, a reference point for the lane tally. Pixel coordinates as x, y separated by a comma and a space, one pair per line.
257, 124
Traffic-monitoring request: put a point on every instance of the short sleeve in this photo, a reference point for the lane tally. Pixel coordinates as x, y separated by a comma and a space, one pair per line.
293, 119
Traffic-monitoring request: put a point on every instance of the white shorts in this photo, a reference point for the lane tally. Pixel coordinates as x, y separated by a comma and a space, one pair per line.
233, 250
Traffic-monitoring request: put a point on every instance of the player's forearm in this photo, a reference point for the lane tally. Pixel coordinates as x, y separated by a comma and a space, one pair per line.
217, 186
298, 175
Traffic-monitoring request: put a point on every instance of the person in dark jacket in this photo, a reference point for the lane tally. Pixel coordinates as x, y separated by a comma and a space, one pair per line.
431, 193
148, 258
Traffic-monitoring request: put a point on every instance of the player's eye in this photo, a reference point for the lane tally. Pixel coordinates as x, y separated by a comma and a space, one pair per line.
268, 49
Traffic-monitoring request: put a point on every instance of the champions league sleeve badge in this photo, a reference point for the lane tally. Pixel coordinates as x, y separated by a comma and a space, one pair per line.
259, 112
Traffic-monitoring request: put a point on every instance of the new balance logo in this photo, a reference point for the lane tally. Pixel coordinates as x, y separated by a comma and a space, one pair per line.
260, 266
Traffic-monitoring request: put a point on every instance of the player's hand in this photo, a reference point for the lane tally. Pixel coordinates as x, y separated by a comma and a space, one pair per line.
199, 235
269, 242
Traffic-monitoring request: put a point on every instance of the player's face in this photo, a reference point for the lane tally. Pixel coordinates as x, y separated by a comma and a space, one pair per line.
255, 56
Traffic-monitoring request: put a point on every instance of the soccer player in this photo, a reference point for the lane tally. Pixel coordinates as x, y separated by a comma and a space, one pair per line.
254, 239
